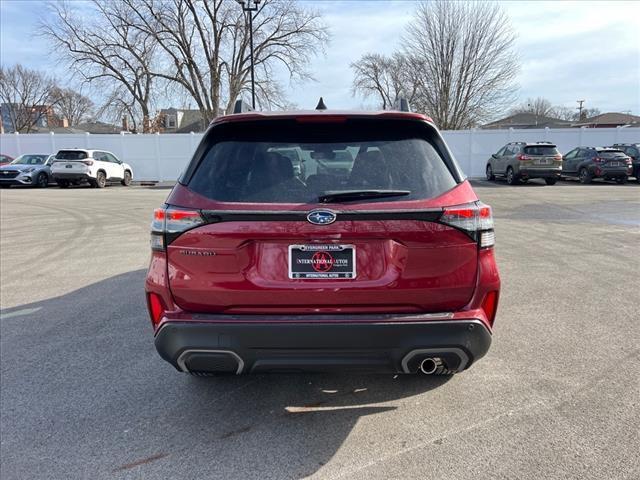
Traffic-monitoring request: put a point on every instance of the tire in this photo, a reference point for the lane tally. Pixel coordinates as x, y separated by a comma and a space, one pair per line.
126, 181
621, 180
42, 181
63, 184
584, 176
512, 178
490, 176
4, 186
550, 181
101, 180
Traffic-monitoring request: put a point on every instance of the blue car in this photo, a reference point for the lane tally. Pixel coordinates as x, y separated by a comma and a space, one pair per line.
29, 169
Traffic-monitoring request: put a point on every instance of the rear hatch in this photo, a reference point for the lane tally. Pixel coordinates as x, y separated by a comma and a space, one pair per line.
70, 161
541, 156
353, 230
611, 160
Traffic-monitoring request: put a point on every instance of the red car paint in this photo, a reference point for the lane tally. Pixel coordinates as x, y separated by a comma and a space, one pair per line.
240, 269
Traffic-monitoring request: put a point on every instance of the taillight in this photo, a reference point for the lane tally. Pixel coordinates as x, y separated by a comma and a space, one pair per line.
557, 157
169, 223
490, 305
475, 219
156, 307
522, 157
88, 162
599, 160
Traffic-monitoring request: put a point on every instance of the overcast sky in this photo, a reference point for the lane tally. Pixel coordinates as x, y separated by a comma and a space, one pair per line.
568, 50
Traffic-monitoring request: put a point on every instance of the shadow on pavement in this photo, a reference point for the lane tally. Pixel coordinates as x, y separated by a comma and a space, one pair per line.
85, 395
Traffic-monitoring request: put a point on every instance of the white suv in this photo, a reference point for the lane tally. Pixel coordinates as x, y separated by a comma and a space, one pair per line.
98, 167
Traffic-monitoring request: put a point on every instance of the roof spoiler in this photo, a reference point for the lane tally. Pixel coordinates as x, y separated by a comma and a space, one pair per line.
242, 107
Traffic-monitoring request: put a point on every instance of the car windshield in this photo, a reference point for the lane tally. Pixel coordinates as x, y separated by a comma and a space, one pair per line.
301, 164
30, 160
71, 155
541, 150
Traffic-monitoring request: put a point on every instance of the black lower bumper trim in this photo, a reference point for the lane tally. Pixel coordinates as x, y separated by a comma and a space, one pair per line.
201, 347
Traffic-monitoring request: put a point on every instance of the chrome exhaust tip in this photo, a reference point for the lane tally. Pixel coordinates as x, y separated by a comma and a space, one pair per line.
429, 366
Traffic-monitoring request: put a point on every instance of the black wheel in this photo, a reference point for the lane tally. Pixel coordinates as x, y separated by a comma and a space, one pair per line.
63, 183
550, 181
490, 176
42, 181
584, 176
126, 181
512, 178
621, 180
3, 185
101, 180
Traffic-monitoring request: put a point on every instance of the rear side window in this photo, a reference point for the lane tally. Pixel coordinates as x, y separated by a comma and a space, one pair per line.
287, 162
542, 150
71, 155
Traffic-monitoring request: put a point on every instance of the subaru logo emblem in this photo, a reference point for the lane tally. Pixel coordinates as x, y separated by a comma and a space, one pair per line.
321, 217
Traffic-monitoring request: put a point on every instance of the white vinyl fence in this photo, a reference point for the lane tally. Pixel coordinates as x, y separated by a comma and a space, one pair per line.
156, 157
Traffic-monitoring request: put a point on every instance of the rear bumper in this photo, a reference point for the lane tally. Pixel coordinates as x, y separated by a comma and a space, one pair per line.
71, 176
385, 346
540, 172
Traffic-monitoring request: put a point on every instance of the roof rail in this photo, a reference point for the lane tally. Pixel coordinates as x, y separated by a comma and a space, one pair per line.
402, 105
241, 107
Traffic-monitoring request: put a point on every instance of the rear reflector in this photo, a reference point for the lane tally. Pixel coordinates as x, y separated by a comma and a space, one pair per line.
156, 307
490, 305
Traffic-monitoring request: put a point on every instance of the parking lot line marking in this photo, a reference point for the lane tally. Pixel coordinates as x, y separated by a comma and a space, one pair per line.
19, 313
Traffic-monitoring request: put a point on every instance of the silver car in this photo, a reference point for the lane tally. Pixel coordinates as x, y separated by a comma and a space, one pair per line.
28, 169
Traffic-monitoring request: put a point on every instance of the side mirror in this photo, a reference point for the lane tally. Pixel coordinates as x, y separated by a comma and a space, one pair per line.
494, 155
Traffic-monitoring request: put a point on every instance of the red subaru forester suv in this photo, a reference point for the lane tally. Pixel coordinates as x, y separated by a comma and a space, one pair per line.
322, 240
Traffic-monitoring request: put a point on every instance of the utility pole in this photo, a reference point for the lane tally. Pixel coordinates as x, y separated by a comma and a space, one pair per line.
250, 6
579, 109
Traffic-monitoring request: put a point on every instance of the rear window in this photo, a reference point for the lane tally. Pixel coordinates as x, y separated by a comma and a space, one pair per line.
288, 162
71, 155
542, 150
611, 154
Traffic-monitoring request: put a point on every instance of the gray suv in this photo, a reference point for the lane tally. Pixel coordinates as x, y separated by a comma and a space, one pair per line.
633, 151
522, 161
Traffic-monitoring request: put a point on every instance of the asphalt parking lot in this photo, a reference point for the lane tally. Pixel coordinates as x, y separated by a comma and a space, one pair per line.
84, 394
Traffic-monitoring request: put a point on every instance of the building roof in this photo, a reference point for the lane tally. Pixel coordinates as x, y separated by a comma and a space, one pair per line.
611, 118
527, 120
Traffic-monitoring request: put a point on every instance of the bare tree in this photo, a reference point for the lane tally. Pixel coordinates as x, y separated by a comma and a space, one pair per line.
28, 96
539, 106
71, 105
206, 46
106, 50
563, 113
385, 77
463, 52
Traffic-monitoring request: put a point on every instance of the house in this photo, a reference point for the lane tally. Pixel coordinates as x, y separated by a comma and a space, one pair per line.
610, 120
174, 120
526, 120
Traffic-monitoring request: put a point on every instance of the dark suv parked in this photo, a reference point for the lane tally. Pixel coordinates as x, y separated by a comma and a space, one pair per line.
521, 161
588, 163
632, 150
377, 255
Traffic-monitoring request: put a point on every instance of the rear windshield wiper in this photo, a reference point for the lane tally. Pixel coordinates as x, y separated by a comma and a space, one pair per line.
347, 195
